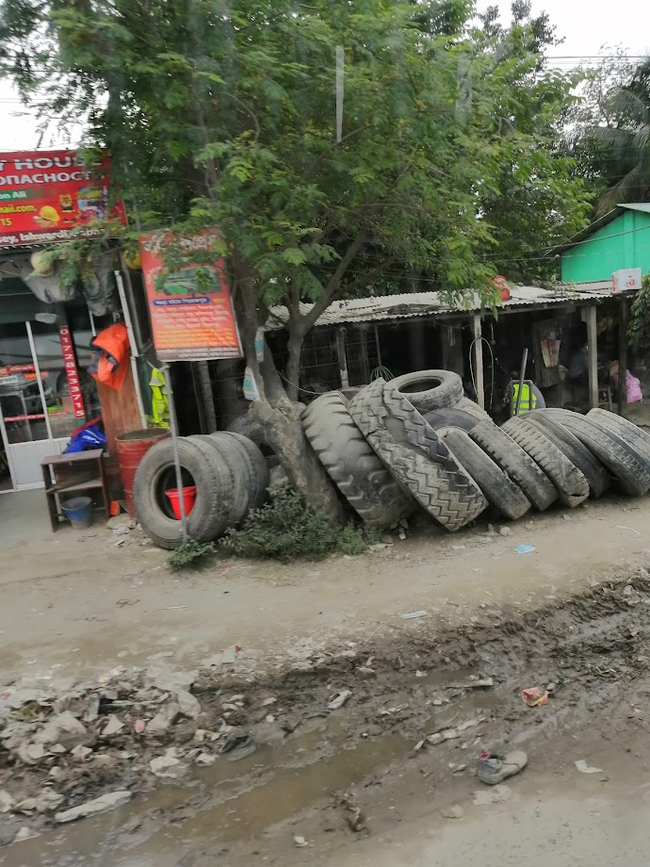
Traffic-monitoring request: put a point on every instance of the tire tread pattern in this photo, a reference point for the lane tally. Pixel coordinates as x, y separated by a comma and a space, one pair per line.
513, 460
571, 484
415, 455
352, 464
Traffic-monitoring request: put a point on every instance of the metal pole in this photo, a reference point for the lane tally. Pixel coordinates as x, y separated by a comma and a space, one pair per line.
622, 355
134, 347
479, 384
173, 426
522, 376
37, 369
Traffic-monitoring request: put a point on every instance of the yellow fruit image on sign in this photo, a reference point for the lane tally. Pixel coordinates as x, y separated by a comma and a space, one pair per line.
47, 216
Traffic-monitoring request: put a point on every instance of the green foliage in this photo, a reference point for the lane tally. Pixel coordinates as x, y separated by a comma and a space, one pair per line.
224, 114
190, 554
288, 529
639, 327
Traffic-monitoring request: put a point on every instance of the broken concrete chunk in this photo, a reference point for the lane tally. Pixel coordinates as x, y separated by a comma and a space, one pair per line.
6, 801
30, 754
113, 726
63, 723
92, 711
25, 833
81, 752
167, 767
189, 705
205, 759
47, 800
99, 805
455, 811
164, 719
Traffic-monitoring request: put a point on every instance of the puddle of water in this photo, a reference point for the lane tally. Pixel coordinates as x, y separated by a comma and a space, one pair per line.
207, 826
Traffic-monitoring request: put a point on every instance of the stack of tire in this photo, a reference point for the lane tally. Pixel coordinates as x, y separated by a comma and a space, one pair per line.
230, 475
417, 440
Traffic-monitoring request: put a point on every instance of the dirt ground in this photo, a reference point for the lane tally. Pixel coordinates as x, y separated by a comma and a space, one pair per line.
575, 611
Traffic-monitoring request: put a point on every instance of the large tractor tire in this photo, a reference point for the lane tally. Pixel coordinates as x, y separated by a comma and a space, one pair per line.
352, 464
619, 455
514, 461
210, 474
416, 456
579, 455
240, 479
430, 389
571, 484
499, 489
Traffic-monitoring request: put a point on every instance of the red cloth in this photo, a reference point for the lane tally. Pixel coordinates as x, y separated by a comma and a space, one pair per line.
111, 364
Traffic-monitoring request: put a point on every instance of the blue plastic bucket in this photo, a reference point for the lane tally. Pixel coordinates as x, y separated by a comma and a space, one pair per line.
78, 511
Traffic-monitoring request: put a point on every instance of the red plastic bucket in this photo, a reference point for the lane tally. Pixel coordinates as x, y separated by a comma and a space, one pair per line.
189, 498
131, 448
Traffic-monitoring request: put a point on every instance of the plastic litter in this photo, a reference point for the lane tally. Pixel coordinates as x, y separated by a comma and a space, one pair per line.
584, 768
413, 615
534, 697
525, 549
300, 842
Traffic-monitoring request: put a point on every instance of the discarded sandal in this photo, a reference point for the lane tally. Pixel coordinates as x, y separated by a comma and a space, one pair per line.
495, 769
238, 746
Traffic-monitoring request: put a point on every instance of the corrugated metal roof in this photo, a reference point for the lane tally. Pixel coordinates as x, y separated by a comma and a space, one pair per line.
412, 304
637, 206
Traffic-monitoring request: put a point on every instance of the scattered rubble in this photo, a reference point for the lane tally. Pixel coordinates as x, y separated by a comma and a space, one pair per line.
100, 805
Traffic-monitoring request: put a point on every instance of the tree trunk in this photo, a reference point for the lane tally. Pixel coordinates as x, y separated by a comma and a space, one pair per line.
294, 349
278, 413
287, 439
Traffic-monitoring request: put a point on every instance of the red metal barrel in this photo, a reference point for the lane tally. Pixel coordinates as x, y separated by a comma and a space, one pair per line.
131, 448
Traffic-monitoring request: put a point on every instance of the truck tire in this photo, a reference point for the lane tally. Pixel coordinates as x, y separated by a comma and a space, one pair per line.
430, 389
248, 427
155, 474
571, 484
258, 471
579, 455
352, 464
450, 417
513, 460
497, 487
619, 455
624, 428
230, 451
416, 456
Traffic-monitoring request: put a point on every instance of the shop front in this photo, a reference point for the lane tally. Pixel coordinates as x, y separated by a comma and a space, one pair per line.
45, 392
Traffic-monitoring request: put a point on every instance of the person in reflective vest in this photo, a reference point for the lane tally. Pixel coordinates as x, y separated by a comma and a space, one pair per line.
531, 397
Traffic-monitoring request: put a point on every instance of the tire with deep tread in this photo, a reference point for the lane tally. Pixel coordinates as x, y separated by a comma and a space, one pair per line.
352, 464
598, 477
624, 428
231, 452
496, 485
619, 455
513, 460
571, 484
416, 456
211, 511
430, 389
257, 468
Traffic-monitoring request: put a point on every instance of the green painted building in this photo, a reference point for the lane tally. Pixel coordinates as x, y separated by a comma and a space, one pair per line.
620, 239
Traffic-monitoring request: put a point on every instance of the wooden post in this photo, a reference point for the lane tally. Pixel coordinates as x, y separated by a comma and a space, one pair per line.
208, 410
478, 360
342, 357
622, 355
592, 348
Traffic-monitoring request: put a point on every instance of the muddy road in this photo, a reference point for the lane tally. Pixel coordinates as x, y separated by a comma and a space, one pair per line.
347, 786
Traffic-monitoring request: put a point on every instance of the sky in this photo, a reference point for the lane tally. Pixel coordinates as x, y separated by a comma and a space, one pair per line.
586, 25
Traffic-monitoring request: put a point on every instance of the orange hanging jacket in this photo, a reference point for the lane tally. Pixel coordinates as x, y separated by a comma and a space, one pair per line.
111, 363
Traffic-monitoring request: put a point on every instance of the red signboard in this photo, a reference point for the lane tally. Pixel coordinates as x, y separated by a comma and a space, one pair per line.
45, 196
72, 373
191, 312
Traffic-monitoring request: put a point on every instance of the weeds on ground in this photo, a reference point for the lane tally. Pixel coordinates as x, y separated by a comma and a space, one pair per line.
287, 529
190, 554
